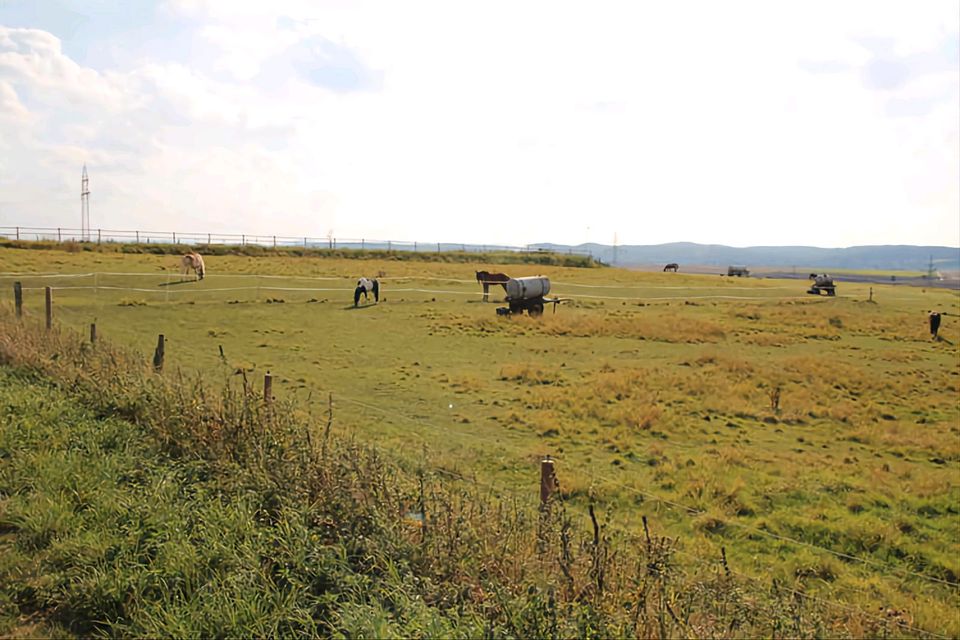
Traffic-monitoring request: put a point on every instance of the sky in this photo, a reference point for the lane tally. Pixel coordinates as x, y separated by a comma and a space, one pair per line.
817, 123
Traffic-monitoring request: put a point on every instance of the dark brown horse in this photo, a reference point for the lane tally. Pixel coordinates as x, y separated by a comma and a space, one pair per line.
486, 279
673, 266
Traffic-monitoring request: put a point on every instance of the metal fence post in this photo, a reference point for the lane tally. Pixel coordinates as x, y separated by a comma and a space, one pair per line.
18, 297
98, 236
59, 237
18, 233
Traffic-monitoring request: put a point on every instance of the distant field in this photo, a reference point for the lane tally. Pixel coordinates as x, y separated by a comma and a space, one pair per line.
738, 412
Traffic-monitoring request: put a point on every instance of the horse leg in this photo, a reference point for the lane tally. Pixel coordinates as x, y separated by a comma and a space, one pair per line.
356, 295
376, 291
486, 291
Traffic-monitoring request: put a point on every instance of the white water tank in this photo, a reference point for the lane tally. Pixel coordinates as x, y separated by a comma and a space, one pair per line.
528, 288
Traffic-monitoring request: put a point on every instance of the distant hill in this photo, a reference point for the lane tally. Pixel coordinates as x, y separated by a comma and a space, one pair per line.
887, 257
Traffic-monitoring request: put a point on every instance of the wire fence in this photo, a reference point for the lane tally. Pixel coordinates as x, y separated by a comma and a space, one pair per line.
100, 236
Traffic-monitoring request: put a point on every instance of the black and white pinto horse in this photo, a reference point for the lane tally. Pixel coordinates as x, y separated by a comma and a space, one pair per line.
365, 286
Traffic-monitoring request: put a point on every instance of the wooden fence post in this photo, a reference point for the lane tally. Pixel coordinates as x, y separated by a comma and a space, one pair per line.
267, 388
48, 295
18, 233
158, 354
18, 297
59, 235
548, 480
93, 332
871, 294
98, 236
138, 236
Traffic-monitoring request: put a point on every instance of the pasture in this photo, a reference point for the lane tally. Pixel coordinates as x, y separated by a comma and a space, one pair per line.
817, 440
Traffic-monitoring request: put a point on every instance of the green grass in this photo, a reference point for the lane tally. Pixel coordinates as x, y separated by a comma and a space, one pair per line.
138, 504
652, 390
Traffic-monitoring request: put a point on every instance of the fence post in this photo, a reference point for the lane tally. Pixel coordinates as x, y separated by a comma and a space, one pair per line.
389, 245
18, 297
93, 332
414, 246
362, 245
274, 242
438, 247
138, 236
548, 480
18, 233
267, 388
243, 240
158, 354
174, 237
871, 293
208, 239
98, 236
59, 236
304, 243
48, 296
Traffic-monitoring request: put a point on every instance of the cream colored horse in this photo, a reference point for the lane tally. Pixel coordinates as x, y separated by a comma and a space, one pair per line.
193, 261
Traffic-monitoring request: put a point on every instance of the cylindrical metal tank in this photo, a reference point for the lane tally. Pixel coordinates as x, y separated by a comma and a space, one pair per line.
527, 288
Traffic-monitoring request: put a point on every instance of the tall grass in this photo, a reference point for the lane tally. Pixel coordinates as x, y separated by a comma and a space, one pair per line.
137, 503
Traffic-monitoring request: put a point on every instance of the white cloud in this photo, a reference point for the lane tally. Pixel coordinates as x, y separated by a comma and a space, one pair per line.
736, 123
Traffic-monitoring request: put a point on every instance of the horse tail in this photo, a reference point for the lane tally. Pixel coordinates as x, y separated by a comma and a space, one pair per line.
376, 291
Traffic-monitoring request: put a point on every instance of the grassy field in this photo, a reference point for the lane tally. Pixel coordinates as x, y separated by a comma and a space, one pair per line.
816, 439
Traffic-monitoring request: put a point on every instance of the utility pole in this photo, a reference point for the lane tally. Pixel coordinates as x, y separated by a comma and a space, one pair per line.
85, 204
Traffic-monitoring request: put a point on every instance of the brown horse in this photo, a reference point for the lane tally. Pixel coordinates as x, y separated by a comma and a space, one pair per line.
486, 279
673, 266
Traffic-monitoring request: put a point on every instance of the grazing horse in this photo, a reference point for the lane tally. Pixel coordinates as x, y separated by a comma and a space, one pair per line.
365, 285
192, 260
486, 279
673, 266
